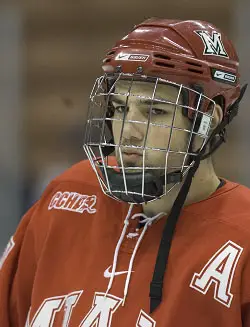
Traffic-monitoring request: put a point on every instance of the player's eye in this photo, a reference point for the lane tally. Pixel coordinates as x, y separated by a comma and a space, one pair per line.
158, 112
119, 108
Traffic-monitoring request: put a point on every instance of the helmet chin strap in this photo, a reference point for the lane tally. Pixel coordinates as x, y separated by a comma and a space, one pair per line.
153, 185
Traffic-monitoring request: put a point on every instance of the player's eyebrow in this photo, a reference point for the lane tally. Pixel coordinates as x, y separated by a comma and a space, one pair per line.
159, 100
155, 101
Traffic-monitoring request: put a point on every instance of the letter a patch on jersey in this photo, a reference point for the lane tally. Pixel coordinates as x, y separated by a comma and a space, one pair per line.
213, 44
218, 273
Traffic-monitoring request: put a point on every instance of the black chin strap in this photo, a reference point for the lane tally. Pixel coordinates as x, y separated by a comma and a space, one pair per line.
153, 185
156, 285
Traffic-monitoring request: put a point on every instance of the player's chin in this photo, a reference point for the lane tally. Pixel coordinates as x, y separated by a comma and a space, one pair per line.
133, 160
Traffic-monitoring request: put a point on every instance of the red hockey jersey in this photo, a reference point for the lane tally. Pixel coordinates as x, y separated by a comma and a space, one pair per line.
73, 262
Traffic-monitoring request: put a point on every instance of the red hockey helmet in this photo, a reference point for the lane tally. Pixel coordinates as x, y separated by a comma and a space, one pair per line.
186, 52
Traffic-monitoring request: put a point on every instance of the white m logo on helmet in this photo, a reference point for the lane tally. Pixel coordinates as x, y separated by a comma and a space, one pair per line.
213, 44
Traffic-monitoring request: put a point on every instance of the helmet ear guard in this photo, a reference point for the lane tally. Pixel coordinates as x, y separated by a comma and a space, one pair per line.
219, 134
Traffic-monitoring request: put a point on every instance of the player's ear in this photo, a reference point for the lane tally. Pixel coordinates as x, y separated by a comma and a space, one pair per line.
217, 116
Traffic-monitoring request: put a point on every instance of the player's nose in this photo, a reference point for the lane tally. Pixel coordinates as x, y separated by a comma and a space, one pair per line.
134, 125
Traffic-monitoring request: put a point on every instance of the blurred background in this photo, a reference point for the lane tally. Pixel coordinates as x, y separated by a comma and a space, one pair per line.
50, 55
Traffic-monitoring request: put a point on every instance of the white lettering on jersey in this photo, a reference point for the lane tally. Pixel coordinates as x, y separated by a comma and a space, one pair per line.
213, 44
220, 271
70, 302
46, 314
102, 311
145, 320
100, 315
7, 251
72, 201
28, 319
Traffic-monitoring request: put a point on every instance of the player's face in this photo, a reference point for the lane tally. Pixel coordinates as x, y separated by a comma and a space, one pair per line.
159, 135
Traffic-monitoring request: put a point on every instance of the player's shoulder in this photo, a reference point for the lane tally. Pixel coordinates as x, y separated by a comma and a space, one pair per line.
72, 196
79, 178
240, 197
233, 196
80, 172
235, 206
229, 205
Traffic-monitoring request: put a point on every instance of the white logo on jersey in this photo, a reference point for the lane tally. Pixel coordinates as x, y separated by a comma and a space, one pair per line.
145, 320
46, 314
7, 251
102, 311
219, 271
213, 44
72, 201
107, 273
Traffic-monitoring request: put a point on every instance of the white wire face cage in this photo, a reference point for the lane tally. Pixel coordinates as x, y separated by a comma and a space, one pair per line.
139, 139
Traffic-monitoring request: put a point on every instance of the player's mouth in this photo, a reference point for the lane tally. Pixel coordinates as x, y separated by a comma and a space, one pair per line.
131, 155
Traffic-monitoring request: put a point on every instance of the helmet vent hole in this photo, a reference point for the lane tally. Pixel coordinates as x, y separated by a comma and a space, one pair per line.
193, 64
164, 64
195, 71
160, 56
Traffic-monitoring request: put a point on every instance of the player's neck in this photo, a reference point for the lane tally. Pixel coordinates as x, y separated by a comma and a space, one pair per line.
205, 182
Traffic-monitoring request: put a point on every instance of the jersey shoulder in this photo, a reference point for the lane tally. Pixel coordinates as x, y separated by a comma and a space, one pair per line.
78, 178
67, 204
229, 205
233, 206
80, 172
238, 199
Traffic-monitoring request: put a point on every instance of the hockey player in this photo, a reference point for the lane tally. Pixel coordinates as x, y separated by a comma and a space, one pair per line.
143, 233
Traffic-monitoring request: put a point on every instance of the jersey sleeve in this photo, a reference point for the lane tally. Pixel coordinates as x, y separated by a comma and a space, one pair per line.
245, 292
17, 269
